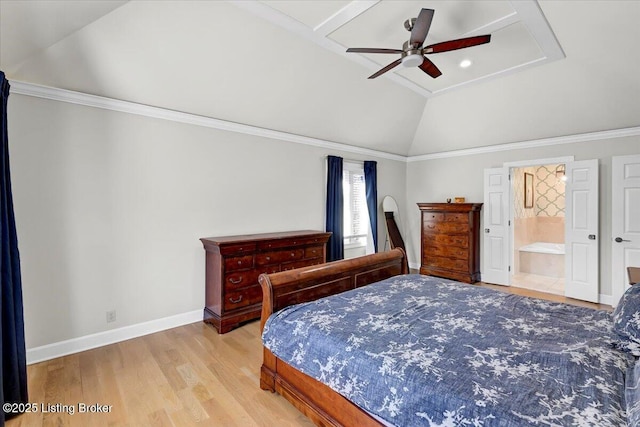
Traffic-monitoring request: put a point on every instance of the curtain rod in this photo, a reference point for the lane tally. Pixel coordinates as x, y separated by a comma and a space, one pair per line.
350, 160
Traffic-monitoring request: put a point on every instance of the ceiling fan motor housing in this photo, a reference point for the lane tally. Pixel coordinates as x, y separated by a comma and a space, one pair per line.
409, 23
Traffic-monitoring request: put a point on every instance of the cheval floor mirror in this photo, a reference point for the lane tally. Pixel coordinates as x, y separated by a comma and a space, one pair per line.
394, 238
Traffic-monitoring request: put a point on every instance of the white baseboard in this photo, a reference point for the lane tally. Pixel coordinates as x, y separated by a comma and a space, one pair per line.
87, 342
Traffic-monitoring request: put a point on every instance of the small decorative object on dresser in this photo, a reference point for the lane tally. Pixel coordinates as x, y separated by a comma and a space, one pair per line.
451, 240
233, 264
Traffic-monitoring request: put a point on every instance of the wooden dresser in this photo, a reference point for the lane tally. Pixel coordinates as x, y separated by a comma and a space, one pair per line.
233, 264
451, 240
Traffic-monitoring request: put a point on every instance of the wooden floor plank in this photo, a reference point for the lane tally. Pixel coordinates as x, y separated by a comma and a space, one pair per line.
186, 376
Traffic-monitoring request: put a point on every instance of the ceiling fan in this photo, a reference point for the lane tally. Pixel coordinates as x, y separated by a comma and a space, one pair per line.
413, 53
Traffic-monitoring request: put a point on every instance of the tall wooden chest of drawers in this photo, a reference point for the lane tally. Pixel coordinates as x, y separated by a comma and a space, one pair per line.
233, 264
451, 240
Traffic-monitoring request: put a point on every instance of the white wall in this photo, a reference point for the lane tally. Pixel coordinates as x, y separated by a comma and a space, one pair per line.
110, 208
437, 180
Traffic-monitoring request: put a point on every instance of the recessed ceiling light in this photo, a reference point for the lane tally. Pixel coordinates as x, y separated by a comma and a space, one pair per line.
465, 63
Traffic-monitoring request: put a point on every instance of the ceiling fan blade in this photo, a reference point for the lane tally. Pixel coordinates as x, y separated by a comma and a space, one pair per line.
421, 27
385, 69
372, 50
430, 68
457, 44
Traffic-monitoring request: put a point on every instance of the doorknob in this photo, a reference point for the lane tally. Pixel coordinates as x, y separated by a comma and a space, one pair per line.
486, 230
592, 237
620, 239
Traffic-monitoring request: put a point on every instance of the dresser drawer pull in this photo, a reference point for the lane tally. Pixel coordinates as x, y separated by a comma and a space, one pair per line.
235, 281
239, 262
268, 258
235, 301
293, 254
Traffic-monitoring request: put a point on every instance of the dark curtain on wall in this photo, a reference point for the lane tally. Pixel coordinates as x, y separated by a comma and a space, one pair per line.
335, 209
371, 190
13, 372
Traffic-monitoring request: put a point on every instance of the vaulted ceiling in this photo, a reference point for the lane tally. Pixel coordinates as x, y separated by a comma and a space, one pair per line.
552, 68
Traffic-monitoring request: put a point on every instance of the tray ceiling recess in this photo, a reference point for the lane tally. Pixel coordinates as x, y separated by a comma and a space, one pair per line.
520, 36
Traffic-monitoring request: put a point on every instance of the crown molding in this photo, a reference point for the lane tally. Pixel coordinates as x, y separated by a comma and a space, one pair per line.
79, 98
535, 143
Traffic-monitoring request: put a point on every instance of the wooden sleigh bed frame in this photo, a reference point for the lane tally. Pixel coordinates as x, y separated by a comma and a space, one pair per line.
320, 403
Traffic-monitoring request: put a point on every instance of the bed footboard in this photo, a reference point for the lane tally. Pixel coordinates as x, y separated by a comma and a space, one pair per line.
286, 288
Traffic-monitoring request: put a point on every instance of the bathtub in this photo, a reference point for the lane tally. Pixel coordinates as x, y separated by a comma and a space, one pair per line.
544, 248
542, 258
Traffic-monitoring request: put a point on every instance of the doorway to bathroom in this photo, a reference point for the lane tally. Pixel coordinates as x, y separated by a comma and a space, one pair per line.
581, 221
539, 227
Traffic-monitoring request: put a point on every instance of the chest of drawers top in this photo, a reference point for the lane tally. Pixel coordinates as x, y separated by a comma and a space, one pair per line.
251, 243
450, 207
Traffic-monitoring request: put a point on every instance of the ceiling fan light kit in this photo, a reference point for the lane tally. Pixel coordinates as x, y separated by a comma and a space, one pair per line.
412, 60
413, 53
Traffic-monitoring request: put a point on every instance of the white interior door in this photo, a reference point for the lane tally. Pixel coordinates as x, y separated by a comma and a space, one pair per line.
581, 231
625, 220
496, 226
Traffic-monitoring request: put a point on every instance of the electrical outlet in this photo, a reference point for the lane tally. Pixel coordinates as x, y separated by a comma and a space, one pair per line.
111, 316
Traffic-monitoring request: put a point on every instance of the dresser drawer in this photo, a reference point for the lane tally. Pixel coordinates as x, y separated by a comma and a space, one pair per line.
445, 217
277, 257
247, 296
447, 251
238, 248
434, 239
313, 252
445, 227
241, 279
238, 263
295, 241
433, 216
446, 263
456, 217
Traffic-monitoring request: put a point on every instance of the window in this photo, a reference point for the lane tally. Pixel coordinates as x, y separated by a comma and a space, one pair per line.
357, 229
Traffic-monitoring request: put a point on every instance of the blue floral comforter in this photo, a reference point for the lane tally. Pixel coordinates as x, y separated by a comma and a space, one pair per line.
418, 350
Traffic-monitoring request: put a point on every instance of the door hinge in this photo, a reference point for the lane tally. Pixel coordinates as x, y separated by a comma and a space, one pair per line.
509, 268
509, 177
509, 223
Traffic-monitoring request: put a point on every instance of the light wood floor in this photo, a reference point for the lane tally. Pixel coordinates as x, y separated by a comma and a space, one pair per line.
180, 377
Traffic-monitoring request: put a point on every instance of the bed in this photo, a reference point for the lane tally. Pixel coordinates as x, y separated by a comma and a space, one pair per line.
361, 342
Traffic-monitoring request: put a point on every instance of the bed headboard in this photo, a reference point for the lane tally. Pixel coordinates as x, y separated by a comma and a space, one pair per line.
286, 288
